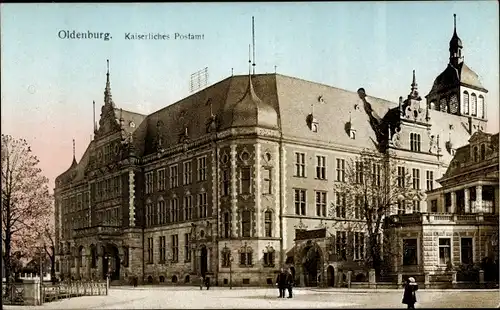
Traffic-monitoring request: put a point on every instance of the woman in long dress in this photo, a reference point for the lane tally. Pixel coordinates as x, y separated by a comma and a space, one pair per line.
409, 295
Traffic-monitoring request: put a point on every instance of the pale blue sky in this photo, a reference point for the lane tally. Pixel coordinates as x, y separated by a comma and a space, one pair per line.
48, 84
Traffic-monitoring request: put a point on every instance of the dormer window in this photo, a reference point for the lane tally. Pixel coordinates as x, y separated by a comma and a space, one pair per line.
312, 123
352, 134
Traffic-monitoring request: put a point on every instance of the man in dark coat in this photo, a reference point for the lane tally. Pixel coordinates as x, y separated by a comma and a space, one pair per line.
409, 296
207, 282
281, 283
289, 283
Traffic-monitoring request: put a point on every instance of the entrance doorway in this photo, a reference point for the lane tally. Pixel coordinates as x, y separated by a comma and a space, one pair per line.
203, 261
330, 276
111, 262
311, 265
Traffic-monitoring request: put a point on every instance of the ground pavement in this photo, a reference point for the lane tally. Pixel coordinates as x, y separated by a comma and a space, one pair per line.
155, 297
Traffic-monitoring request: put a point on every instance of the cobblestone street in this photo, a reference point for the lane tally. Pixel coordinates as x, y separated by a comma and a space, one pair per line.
192, 297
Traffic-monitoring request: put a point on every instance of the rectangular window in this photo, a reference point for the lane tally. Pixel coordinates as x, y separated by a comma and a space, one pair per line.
300, 164
162, 212
202, 205
246, 258
444, 251
359, 246
300, 202
401, 176
340, 170
340, 202
246, 178
416, 178
376, 174
415, 142
415, 206
187, 173
202, 168
269, 259
174, 176
410, 253
149, 182
268, 227
321, 204
188, 208
226, 258
266, 184
150, 250
341, 245
149, 215
430, 179
466, 252
358, 207
187, 251
163, 249
359, 172
174, 208
434, 205
246, 222
401, 207
175, 248
161, 179
227, 225
321, 167
225, 183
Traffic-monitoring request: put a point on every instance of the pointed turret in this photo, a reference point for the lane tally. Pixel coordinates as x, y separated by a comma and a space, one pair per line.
74, 163
108, 100
455, 46
414, 89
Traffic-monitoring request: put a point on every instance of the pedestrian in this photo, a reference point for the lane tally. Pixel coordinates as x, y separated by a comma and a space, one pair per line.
289, 282
207, 282
409, 296
201, 282
281, 282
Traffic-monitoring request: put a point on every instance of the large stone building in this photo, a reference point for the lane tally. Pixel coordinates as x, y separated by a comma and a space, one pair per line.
217, 183
459, 231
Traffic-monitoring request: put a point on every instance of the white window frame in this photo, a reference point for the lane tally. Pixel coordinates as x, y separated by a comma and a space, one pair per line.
415, 176
202, 168
162, 180
418, 250
321, 204
174, 176
340, 171
300, 164
321, 167
187, 172
451, 250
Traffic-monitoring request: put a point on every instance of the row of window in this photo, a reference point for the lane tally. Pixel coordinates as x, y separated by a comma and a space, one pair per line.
159, 177
109, 217
161, 213
356, 246
162, 249
75, 203
471, 105
410, 251
320, 164
247, 219
107, 189
415, 178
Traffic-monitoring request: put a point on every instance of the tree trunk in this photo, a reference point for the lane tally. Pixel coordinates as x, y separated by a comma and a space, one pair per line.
375, 254
7, 259
52, 268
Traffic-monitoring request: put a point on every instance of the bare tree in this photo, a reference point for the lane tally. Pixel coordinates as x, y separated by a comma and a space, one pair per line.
26, 201
373, 186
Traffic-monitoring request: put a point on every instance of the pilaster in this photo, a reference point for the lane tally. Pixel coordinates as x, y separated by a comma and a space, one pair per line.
131, 184
479, 199
257, 182
453, 202
234, 199
467, 200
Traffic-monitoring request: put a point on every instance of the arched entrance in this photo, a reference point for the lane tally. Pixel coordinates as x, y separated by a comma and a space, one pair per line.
203, 261
330, 276
111, 262
311, 264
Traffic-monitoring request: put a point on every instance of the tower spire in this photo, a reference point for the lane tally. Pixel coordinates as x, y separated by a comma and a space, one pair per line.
455, 46
107, 90
253, 44
74, 148
93, 112
455, 23
414, 89
249, 60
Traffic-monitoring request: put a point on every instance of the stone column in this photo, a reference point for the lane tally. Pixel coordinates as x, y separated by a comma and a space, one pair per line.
400, 279
234, 194
443, 203
100, 262
209, 260
479, 199
372, 278
453, 202
349, 277
427, 280
467, 200
481, 277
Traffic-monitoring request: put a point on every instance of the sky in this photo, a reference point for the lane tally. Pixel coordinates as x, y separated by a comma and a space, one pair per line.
48, 83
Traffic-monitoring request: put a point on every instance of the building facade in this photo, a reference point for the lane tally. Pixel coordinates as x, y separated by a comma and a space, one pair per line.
219, 183
459, 232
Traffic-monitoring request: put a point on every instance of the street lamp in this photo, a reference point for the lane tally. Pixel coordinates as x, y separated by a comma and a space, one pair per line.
230, 271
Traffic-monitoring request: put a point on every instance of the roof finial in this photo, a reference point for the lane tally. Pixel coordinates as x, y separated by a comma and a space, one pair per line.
107, 90
414, 82
74, 156
232, 71
455, 22
253, 44
249, 59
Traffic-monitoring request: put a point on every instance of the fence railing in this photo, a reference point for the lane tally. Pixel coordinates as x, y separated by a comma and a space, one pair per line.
14, 295
58, 291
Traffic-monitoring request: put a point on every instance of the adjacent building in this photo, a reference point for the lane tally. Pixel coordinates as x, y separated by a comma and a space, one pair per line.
227, 182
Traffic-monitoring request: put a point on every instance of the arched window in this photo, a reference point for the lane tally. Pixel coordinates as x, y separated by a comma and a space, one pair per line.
474, 154
443, 105
246, 254
454, 105
483, 151
481, 107
268, 227
465, 105
473, 105
269, 256
246, 223
227, 225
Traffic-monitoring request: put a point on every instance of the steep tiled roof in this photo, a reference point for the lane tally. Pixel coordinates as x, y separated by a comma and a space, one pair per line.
452, 76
